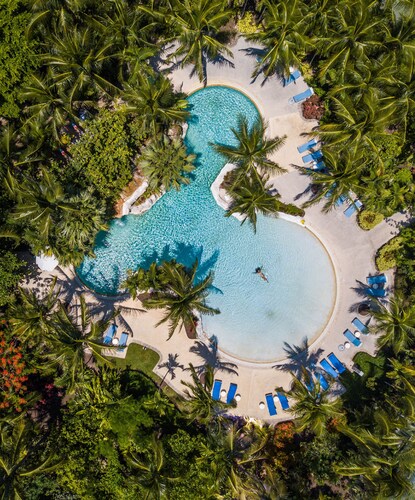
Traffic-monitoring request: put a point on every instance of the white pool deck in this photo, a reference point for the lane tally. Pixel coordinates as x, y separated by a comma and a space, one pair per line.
351, 249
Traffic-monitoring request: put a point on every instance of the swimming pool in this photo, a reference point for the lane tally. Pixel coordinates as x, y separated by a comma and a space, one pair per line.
256, 317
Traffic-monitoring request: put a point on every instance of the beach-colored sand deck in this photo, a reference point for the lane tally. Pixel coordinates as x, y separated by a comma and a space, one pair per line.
351, 249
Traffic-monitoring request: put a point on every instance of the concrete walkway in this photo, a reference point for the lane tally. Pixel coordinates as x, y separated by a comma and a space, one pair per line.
352, 250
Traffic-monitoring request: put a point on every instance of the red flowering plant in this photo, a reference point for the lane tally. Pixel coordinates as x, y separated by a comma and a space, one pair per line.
313, 108
14, 371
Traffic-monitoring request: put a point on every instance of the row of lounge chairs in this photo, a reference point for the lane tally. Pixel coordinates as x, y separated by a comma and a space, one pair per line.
216, 391
272, 409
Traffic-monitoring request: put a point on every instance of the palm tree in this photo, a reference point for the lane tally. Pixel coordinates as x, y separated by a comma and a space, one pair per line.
144, 280
31, 315
404, 375
354, 34
250, 154
358, 125
78, 59
76, 230
47, 103
284, 36
198, 25
165, 162
313, 408
342, 177
39, 203
182, 297
24, 453
250, 197
385, 458
230, 453
75, 342
395, 324
399, 37
154, 475
200, 405
155, 102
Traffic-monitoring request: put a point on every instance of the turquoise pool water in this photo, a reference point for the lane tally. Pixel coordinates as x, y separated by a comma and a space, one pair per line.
256, 317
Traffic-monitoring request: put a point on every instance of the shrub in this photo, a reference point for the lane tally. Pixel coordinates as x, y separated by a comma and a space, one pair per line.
247, 25
368, 220
313, 108
387, 254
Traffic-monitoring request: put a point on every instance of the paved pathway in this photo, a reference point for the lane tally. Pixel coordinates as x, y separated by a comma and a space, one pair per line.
352, 250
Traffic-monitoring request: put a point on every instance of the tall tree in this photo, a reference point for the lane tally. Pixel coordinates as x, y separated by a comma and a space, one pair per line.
250, 197
313, 408
182, 297
155, 102
166, 163
198, 25
252, 150
200, 405
284, 36
396, 324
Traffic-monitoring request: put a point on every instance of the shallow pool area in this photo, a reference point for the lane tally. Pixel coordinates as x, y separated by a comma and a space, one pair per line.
256, 317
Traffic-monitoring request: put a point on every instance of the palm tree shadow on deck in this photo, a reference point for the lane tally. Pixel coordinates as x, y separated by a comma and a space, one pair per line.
300, 358
210, 354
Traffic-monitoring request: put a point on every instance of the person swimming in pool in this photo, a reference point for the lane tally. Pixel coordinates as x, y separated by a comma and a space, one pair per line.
259, 271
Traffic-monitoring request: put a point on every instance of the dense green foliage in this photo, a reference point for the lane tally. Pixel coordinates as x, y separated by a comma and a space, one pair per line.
82, 107
368, 220
17, 55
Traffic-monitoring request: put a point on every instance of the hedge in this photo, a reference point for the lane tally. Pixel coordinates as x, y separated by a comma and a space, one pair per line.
386, 255
368, 220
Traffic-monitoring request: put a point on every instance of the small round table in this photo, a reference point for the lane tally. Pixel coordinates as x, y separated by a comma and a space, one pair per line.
223, 393
261, 405
357, 333
238, 397
347, 345
115, 341
341, 347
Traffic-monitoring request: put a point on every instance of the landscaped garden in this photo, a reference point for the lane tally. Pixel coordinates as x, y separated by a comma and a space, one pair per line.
88, 113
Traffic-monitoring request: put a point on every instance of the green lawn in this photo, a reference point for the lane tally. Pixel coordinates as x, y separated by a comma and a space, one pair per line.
144, 359
138, 358
371, 366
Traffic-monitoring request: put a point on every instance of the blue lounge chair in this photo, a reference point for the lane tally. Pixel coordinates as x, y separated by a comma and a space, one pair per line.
328, 368
283, 400
354, 340
320, 166
308, 145
335, 361
292, 78
123, 341
340, 200
378, 280
360, 326
312, 156
356, 205
271, 405
231, 393
109, 334
304, 95
378, 292
322, 381
216, 390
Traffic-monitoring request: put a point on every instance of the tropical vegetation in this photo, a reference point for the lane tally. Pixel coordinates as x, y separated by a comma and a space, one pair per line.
86, 111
